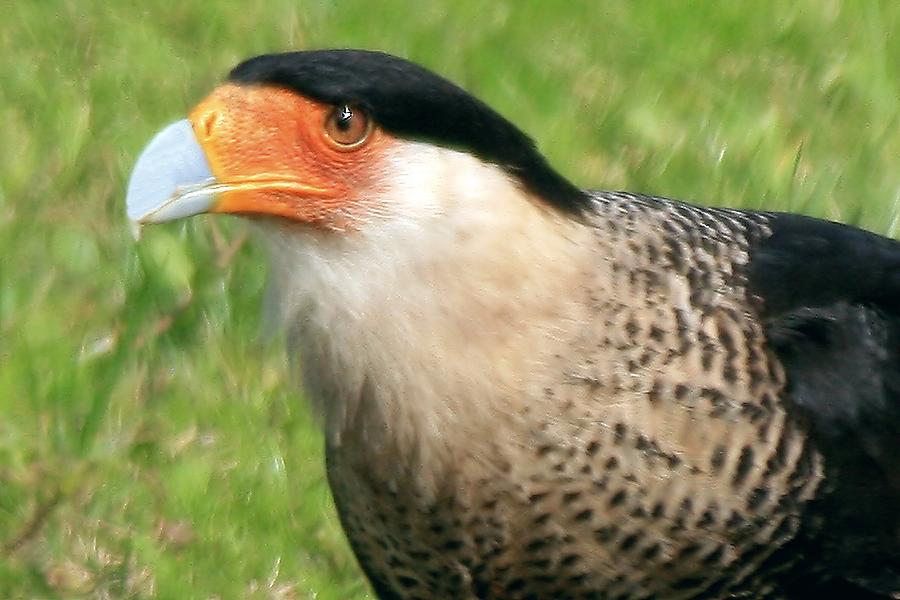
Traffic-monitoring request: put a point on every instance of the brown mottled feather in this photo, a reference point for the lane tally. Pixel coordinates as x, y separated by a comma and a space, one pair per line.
652, 459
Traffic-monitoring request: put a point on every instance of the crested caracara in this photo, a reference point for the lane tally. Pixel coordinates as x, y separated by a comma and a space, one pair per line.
531, 390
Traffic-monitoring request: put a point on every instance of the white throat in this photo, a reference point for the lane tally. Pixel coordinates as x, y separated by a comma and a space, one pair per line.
418, 317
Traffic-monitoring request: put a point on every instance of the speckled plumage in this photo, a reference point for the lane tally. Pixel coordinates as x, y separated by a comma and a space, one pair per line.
654, 459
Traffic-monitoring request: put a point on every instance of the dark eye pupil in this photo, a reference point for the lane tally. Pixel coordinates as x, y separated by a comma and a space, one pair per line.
344, 116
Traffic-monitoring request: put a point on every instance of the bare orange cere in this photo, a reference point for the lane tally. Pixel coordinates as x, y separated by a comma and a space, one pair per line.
277, 153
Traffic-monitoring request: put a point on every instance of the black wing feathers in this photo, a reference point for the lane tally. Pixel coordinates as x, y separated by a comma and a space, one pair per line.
843, 371
809, 262
830, 296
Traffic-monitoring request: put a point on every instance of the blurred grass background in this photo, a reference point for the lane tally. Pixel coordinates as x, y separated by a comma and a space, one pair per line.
150, 443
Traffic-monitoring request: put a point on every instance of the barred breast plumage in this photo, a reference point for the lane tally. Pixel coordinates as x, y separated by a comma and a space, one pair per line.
653, 458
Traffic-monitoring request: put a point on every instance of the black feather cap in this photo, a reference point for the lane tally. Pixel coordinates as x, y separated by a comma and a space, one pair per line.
411, 101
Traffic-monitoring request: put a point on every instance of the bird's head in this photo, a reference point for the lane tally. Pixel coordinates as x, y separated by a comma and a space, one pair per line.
330, 139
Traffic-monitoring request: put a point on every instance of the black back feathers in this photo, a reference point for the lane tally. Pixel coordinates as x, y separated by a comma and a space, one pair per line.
810, 262
831, 303
412, 102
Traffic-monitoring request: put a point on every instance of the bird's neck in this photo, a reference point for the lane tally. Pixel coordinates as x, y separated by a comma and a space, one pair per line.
411, 326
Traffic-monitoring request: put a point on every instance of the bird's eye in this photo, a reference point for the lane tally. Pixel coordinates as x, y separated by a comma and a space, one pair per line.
348, 126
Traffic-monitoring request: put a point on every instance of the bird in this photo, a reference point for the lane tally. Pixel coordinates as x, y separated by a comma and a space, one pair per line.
532, 390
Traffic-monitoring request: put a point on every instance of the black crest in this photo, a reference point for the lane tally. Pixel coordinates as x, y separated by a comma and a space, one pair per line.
410, 101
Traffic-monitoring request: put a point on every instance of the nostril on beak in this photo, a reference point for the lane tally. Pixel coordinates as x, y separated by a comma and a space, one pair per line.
206, 124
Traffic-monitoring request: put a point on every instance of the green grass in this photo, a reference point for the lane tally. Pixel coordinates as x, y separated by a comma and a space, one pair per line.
150, 443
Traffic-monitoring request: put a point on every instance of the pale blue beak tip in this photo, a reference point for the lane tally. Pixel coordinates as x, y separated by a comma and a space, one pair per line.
169, 177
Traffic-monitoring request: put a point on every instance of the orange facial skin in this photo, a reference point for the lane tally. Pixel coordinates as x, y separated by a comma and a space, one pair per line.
269, 151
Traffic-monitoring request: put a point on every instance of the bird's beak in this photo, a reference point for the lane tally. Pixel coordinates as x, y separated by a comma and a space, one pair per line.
236, 153
172, 178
